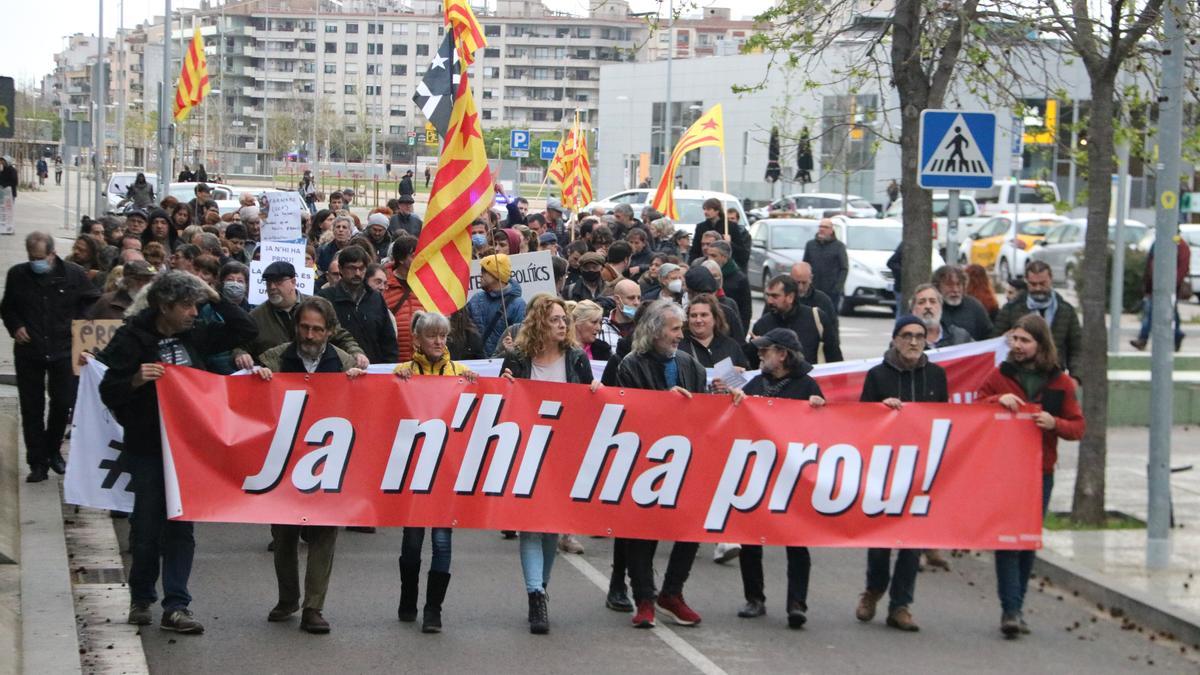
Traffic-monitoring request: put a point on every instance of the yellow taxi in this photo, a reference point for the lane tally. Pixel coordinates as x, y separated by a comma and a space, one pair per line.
997, 236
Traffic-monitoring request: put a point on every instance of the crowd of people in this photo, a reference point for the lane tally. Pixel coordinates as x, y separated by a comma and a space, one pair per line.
657, 304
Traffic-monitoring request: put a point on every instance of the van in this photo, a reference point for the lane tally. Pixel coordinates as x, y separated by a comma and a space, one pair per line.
1037, 196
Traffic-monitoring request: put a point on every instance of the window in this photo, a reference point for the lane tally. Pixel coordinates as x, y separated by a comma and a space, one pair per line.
488, 114
351, 47
374, 90
395, 130
489, 94
330, 27
308, 67
374, 48
331, 69
372, 69
351, 68
397, 90
309, 47
399, 50
351, 28
441, 30
491, 31
330, 47
422, 50
399, 70
399, 29
583, 32
491, 71
375, 29
330, 87
349, 89
491, 53
398, 112
423, 29
683, 114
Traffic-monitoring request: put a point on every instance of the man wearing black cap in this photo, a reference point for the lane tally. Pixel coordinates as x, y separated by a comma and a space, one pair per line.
817, 332
275, 319
699, 280
906, 375
785, 374
406, 185
590, 285
135, 275
404, 220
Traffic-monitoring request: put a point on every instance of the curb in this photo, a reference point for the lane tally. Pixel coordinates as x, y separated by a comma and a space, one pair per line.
49, 643
1178, 623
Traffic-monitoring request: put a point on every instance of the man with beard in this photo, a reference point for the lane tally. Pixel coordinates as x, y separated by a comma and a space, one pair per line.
927, 306
360, 308
808, 295
1041, 298
958, 308
906, 375
275, 319
377, 234
813, 326
315, 322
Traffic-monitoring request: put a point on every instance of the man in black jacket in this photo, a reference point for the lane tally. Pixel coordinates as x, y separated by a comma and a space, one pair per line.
361, 309
817, 333
163, 333
734, 233
958, 308
733, 281
41, 298
655, 362
808, 295
404, 220
829, 261
906, 375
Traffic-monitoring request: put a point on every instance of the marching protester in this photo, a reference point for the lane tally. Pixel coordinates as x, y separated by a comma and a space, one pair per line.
546, 351
311, 352
808, 295
1040, 298
707, 334
829, 261
588, 317
41, 298
905, 376
1031, 375
361, 309
627, 296
927, 306
161, 334
958, 307
657, 363
818, 334
785, 374
699, 279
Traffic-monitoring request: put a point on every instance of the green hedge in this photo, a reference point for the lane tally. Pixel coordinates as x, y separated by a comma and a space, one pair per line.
1135, 271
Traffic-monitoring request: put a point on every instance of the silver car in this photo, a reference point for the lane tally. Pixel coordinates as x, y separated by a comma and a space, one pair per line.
775, 245
1062, 246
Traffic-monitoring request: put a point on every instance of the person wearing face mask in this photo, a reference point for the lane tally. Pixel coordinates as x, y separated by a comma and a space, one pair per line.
41, 298
1040, 298
590, 285
959, 308
619, 323
231, 284
670, 284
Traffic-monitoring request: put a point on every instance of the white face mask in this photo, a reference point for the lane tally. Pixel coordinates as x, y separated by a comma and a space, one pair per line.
675, 286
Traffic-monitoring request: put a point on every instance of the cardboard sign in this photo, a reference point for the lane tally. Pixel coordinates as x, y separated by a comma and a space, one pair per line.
281, 216
533, 271
90, 336
269, 252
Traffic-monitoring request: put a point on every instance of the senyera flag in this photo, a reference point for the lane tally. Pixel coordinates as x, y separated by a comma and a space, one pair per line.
193, 78
709, 130
543, 457
564, 157
467, 33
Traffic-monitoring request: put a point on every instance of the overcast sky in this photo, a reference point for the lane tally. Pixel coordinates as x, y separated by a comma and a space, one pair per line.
31, 32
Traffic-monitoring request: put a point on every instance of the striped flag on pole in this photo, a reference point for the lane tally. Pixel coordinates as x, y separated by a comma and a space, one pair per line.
578, 191
709, 130
563, 156
193, 78
467, 33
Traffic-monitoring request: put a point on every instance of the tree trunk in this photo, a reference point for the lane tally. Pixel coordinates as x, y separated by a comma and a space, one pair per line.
1088, 503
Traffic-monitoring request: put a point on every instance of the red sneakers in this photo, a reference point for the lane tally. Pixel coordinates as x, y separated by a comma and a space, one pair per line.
644, 618
675, 608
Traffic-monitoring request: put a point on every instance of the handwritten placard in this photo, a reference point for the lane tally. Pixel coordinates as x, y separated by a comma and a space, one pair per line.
280, 213
91, 336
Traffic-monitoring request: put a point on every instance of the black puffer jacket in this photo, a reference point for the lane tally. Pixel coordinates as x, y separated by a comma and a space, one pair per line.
368, 320
44, 305
926, 383
801, 320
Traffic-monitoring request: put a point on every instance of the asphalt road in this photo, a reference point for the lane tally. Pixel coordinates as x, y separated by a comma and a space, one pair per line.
233, 586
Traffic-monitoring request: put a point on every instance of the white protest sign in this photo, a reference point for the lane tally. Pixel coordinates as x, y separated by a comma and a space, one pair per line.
533, 271
7, 222
271, 251
96, 475
280, 216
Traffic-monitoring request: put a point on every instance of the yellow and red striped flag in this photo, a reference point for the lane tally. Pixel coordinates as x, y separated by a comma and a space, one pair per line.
462, 191
193, 78
467, 33
706, 131
564, 156
577, 192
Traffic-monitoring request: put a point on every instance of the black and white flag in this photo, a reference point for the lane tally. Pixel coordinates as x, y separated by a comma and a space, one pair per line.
435, 93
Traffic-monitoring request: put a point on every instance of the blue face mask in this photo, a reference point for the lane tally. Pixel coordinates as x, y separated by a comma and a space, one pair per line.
628, 311
39, 266
479, 240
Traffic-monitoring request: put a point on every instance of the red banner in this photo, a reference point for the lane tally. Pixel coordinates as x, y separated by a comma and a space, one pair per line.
533, 456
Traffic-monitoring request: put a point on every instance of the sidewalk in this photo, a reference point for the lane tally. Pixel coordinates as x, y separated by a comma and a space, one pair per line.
1116, 559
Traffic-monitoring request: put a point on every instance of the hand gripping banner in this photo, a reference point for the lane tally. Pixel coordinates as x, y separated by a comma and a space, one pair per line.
534, 456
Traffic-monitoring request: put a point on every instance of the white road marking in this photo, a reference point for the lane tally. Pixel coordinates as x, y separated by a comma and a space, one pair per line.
693, 656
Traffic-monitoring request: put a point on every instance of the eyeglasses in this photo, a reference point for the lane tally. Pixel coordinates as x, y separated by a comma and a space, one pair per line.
912, 337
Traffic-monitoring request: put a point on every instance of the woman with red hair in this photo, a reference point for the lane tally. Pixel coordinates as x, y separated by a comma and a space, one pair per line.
979, 286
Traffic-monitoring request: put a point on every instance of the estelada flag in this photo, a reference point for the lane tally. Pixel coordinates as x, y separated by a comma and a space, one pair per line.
706, 131
193, 78
563, 157
462, 191
467, 33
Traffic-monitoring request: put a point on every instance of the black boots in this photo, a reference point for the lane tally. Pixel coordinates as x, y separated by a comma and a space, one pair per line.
435, 593
539, 613
410, 576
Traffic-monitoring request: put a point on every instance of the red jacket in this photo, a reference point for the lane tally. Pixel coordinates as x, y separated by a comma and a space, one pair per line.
1057, 397
1183, 264
403, 304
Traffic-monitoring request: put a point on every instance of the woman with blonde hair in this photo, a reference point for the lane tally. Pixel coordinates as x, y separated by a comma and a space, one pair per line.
587, 317
547, 350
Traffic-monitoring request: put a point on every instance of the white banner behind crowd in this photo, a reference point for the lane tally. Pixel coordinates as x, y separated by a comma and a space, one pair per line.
96, 477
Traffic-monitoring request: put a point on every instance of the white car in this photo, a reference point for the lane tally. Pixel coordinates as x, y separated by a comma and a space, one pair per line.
869, 244
690, 204
1015, 248
969, 220
817, 205
118, 186
1037, 196
223, 195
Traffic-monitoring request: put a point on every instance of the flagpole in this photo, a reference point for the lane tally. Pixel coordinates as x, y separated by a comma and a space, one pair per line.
724, 187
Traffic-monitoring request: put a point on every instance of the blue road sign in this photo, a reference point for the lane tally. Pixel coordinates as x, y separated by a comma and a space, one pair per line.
548, 149
519, 140
958, 149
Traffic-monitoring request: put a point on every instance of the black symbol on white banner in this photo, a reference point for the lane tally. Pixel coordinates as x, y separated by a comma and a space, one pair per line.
115, 468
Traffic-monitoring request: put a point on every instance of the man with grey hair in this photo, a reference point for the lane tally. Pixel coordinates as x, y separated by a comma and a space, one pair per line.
163, 333
41, 298
656, 363
958, 308
623, 220
926, 305
734, 283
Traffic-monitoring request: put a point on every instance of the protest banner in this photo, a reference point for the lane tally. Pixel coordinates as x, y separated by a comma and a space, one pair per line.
96, 473
90, 336
269, 252
544, 457
534, 272
280, 213
7, 212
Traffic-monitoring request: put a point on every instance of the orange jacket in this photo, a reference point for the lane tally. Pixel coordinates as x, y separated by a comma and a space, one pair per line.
403, 304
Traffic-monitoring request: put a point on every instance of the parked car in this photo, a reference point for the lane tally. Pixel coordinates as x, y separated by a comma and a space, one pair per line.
223, 195
969, 220
816, 205
777, 244
991, 246
690, 204
1037, 196
1063, 245
869, 244
118, 185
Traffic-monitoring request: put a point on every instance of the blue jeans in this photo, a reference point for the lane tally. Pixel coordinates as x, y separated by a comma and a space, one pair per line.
1014, 567
153, 538
414, 539
537, 558
1144, 333
902, 582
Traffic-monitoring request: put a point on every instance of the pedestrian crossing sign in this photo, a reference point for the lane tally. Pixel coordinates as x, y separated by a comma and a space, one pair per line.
958, 149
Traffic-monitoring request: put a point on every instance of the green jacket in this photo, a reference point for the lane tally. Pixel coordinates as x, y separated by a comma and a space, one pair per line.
1067, 332
276, 327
